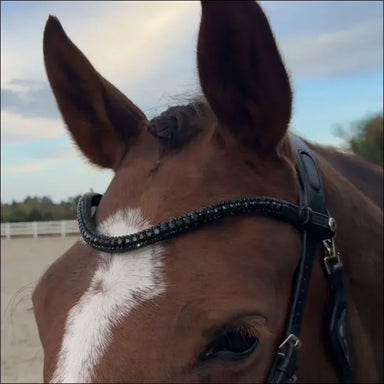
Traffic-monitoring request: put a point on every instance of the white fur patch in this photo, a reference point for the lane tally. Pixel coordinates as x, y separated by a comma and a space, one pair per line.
121, 282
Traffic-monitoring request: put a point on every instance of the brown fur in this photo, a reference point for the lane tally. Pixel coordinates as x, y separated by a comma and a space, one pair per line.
240, 268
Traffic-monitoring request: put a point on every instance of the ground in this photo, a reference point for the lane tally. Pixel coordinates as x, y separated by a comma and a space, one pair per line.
23, 261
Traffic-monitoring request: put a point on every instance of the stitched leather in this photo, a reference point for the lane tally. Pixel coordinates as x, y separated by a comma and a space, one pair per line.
312, 196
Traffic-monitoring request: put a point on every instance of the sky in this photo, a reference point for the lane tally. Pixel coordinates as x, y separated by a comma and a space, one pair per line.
333, 52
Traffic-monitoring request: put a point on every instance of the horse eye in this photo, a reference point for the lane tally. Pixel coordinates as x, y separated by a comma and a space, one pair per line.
231, 345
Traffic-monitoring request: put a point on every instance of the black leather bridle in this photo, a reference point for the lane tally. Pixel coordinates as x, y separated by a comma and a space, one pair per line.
315, 225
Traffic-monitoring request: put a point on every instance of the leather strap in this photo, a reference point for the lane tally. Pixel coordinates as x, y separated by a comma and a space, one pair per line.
311, 196
338, 330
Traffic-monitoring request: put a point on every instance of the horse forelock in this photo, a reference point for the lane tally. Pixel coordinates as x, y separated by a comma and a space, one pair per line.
176, 126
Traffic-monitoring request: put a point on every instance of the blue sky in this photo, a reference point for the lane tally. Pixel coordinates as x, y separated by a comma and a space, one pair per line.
332, 50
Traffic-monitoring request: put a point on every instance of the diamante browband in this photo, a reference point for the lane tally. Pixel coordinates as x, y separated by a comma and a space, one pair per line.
300, 217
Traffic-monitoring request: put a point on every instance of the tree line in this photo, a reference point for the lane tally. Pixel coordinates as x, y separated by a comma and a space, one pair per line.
39, 209
363, 137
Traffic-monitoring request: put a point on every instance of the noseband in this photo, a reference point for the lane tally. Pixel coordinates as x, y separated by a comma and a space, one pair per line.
310, 217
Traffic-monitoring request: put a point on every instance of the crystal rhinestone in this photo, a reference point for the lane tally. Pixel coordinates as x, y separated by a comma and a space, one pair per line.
134, 239
127, 240
119, 241
178, 222
149, 233
186, 220
171, 224
141, 236
156, 231
164, 226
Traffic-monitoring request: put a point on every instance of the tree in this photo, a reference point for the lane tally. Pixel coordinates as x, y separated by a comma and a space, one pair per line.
34, 215
18, 215
365, 138
46, 200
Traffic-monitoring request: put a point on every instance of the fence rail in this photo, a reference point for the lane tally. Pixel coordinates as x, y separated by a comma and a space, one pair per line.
39, 228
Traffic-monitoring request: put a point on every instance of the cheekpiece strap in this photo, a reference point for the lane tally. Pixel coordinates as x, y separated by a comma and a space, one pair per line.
311, 197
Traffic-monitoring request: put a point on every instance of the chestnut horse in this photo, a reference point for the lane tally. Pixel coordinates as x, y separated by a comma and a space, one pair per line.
209, 305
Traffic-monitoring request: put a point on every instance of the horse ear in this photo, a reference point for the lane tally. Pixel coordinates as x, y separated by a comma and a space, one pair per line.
241, 72
102, 121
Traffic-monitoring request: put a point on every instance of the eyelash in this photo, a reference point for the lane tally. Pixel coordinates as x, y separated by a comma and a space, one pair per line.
232, 343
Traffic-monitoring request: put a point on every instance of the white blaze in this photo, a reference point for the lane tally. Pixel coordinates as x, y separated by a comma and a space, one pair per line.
113, 292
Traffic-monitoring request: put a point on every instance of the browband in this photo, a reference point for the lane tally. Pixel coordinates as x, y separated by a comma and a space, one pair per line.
301, 217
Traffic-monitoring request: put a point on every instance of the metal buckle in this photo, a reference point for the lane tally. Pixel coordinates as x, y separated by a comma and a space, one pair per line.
291, 338
332, 223
333, 257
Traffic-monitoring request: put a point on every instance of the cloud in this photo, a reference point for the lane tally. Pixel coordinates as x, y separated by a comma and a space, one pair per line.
16, 129
25, 168
350, 51
145, 49
148, 49
126, 41
22, 82
29, 101
48, 160
12, 63
130, 43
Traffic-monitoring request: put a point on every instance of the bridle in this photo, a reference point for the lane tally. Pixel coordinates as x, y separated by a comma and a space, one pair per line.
315, 225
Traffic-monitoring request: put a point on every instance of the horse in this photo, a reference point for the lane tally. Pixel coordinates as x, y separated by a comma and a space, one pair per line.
209, 304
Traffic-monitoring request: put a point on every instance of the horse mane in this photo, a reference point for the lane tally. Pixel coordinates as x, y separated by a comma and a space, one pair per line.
366, 176
176, 126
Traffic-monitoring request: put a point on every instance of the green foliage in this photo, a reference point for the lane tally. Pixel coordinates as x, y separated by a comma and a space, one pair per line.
365, 138
34, 215
39, 209
18, 215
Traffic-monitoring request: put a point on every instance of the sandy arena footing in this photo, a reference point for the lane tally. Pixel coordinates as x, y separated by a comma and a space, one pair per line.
23, 261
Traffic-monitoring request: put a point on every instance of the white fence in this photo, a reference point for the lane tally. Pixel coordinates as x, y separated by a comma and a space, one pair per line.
39, 228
